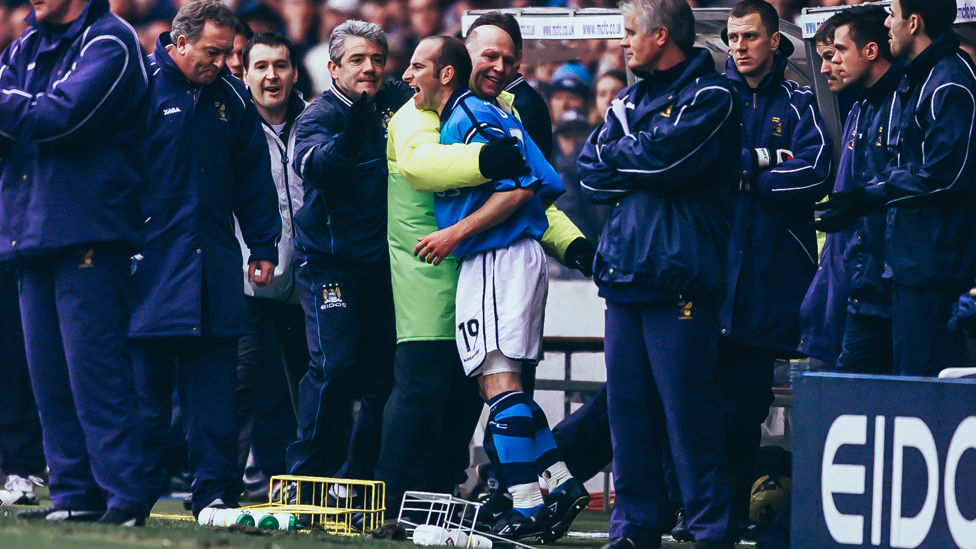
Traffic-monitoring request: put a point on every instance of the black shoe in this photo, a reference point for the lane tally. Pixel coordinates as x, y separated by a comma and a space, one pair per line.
752, 532
680, 531
566, 503
706, 544
496, 505
122, 518
620, 543
62, 515
514, 525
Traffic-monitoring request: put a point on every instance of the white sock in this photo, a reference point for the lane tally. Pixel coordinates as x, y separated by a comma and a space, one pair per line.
556, 475
526, 496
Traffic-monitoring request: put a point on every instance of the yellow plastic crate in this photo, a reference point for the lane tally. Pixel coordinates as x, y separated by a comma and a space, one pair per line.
336, 516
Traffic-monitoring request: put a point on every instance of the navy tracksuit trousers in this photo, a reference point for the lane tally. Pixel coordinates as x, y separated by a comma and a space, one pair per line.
663, 385
867, 347
428, 422
747, 379
583, 438
203, 371
351, 333
21, 452
922, 343
270, 355
76, 318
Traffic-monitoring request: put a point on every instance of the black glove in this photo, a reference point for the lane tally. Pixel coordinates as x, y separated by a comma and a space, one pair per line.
579, 255
358, 122
842, 210
502, 159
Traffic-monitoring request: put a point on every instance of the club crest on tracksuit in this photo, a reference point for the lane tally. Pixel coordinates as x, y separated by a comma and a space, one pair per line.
685, 307
86, 259
331, 297
777, 126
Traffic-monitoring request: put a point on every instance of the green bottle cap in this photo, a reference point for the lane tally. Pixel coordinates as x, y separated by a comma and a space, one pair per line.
244, 519
268, 522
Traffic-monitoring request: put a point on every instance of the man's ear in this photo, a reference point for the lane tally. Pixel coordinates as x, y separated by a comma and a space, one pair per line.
244, 79
332, 68
774, 40
181, 43
871, 51
915, 24
447, 74
660, 36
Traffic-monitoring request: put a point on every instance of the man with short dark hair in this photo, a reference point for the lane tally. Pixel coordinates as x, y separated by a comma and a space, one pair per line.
862, 53
235, 61
72, 137
273, 354
930, 236
668, 157
772, 254
210, 164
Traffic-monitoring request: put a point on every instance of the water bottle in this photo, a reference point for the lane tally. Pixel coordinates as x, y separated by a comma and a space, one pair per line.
264, 520
286, 521
224, 517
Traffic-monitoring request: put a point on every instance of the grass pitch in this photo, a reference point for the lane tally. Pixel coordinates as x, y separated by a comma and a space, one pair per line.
19, 534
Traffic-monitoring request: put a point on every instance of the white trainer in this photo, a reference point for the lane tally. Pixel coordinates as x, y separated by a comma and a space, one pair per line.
18, 490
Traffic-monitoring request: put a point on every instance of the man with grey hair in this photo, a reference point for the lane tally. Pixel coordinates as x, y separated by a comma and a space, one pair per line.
210, 163
668, 158
343, 271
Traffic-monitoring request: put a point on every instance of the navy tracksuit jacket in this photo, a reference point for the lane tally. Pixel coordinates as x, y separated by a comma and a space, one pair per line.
773, 249
930, 192
667, 158
772, 255
344, 286
72, 136
209, 163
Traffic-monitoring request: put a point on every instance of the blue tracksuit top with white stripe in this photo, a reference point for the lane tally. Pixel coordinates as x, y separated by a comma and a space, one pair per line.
73, 107
468, 119
772, 248
930, 185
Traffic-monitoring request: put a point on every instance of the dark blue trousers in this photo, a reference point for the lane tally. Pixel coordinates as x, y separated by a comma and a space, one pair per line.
351, 332
428, 421
76, 318
867, 346
21, 451
747, 379
273, 346
922, 343
203, 371
583, 437
663, 385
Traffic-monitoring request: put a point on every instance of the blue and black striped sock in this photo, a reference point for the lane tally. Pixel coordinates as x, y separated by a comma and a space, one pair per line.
548, 459
513, 430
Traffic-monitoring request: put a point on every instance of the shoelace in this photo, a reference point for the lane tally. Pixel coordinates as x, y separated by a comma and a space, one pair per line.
16, 483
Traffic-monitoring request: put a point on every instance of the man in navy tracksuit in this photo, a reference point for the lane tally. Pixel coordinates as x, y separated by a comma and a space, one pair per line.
209, 163
785, 163
667, 158
823, 312
343, 260
861, 51
930, 232
72, 128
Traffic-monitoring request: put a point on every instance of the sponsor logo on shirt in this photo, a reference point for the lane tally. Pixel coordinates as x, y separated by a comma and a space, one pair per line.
172, 110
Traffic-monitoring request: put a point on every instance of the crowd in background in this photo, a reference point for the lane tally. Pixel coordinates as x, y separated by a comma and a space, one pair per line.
578, 92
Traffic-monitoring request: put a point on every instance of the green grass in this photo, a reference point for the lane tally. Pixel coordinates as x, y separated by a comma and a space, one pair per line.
19, 534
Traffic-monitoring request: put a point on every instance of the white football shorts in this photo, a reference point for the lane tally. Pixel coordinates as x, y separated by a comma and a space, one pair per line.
501, 305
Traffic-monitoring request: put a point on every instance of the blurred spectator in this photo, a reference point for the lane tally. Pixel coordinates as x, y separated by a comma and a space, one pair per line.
607, 88
12, 23
570, 90
967, 38
150, 31
235, 61
332, 14
425, 18
301, 19
571, 130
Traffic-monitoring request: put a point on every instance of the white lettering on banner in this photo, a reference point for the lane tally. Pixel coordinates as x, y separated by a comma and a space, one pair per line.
561, 27
911, 432
963, 531
907, 432
843, 479
810, 21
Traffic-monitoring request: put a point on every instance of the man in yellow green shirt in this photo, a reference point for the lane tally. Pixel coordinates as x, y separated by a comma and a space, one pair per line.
434, 408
